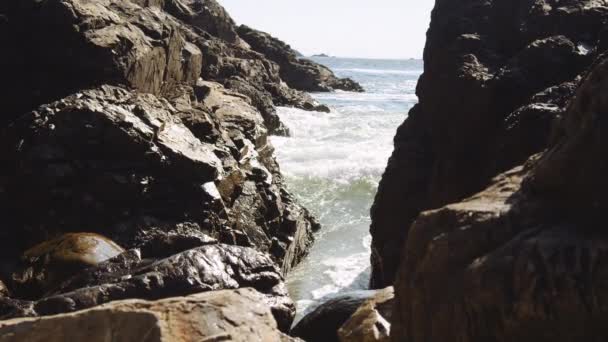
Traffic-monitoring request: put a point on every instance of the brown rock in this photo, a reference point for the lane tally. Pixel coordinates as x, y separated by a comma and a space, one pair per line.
207, 268
51, 262
500, 266
523, 260
225, 315
323, 323
85, 43
372, 321
3, 290
153, 173
298, 73
488, 100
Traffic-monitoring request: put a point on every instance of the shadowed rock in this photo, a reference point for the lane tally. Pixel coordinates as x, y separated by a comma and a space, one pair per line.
323, 323
224, 315
495, 78
372, 321
299, 73
83, 44
207, 268
524, 259
51, 262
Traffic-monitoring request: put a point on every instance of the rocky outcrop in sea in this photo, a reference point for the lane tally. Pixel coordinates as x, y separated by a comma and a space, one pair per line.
136, 162
488, 220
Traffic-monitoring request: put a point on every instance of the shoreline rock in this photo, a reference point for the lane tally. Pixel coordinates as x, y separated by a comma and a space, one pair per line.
298, 73
372, 321
488, 219
236, 315
146, 122
497, 79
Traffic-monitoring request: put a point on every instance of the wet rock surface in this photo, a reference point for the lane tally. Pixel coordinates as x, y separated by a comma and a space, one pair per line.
299, 73
488, 219
372, 321
323, 323
145, 124
50, 262
498, 77
237, 315
207, 268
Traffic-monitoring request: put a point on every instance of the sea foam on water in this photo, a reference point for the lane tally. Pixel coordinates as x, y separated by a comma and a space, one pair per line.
333, 162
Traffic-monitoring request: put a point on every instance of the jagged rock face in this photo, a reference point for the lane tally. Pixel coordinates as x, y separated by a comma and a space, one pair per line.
497, 76
323, 323
208, 268
298, 73
523, 260
57, 47
148, 45
4, 292
51, 262
372, 321
109, 161
224, 315
207, 15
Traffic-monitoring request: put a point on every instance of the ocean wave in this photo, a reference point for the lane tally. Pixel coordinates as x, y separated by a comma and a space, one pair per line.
380, 71
366, 97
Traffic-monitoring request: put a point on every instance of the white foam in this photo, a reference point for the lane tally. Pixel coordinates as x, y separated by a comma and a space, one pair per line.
332, 163
379, 71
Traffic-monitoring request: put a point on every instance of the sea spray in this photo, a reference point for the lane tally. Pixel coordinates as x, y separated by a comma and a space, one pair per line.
333, 162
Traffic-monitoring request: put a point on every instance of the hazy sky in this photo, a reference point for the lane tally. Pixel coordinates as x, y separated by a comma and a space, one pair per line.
345, 28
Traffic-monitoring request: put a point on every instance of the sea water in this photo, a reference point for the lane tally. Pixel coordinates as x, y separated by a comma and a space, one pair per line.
333, 162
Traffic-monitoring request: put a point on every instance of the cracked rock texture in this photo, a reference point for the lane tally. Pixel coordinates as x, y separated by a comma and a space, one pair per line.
489, 216
218, 316
135, 157
498, 75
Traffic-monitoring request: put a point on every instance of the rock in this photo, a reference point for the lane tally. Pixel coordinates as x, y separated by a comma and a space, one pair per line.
4, 292
224, 315
323, 323
570, 175
51, 262
512, 269
372, 321
207, 268
207, 15
299, 73
523, 258
153, 175
147, 122
85, 44
497, 77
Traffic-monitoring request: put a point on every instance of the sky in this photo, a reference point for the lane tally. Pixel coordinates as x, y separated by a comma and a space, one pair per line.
343, 28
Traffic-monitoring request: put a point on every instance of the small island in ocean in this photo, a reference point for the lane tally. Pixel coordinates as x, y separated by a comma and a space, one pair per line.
322, 55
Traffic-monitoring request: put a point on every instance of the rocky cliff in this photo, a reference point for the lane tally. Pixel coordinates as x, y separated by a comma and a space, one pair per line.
497, 75
144, 124
488, 218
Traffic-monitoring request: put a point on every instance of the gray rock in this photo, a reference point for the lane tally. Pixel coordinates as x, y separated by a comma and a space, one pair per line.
224, 315
207, 268
489, 99
299, 73
323, 323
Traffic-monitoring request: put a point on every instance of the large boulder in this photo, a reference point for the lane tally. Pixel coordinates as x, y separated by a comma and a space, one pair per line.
523, 260
495, 78
123, 164
57, 47
208, 268
51, 262
224, 315
323, 323
372, 321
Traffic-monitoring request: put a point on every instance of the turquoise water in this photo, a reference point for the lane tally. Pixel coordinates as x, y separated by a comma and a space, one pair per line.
333, 162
